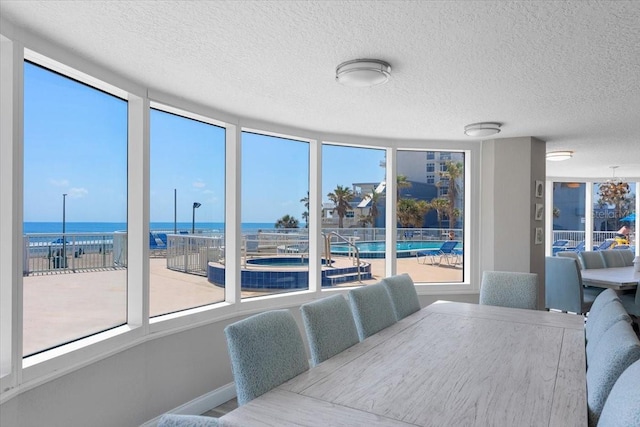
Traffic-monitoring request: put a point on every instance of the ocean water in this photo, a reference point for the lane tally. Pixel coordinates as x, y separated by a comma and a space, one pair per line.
110, 227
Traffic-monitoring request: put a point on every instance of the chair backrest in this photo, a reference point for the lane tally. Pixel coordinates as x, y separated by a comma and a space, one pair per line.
265, 350
592, 259
579, 247
595, 328
628, 256
622, 407
403, 295
560, 242
330, 327
509, 289
605, 245
613, 258
571, 254
448, 246
563, 285
372, 309
175, 420
616, 351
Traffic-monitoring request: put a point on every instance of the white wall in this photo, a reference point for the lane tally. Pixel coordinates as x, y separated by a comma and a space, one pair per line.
510, 168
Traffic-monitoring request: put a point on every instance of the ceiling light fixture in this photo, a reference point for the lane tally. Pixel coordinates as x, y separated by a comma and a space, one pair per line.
363, 72
558, 156
482, 129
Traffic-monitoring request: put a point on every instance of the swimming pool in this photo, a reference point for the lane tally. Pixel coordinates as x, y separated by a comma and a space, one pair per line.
405, 249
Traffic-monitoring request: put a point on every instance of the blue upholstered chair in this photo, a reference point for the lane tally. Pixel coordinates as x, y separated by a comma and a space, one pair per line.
174, 420
330, 327
509, 289
610, 314
403, 295
563, 286
372, 309
618, 349
265, 350
622, 407
592, 259
613, 258
628, 256
573, 255
631, 302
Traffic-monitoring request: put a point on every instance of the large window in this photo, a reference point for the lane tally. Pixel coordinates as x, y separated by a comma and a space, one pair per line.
75, 210
430, 217
275, 209
187, 193
353, 215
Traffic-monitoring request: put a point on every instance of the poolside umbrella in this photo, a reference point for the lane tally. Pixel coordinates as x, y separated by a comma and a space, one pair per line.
630, 218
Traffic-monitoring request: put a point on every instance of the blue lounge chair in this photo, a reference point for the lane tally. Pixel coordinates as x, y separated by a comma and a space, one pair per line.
559, 245
447, 252
157, 246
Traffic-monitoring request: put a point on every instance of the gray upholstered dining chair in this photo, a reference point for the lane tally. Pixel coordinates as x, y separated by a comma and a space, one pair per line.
631, 302
563, 286
573, 255
266, 350
622, 407
610, 314
175, 420
372, 309
509, 289
613, 258
618, 349
330, 327
628, 256
592, 259
403, 295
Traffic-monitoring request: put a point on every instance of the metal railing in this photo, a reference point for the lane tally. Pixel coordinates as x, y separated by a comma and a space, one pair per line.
70, 252
351, 245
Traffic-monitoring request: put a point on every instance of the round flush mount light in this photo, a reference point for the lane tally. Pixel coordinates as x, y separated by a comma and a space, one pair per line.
558, 156
363, 72
482, 129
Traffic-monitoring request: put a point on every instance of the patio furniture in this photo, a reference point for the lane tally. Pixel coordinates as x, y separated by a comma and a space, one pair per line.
446, 252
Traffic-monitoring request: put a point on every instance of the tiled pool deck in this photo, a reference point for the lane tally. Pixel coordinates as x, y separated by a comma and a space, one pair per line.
61, 307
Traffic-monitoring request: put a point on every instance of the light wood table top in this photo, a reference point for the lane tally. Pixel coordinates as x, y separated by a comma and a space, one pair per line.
450, 364
618, 278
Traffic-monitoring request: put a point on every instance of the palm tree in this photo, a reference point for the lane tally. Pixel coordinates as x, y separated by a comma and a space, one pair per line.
441, 206
373, 211
305, 214
454, 171
341, 197
411, 212
401, 182
287, 221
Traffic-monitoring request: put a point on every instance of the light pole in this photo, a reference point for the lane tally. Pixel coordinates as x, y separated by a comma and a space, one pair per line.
196, 205
64, 229
175, 211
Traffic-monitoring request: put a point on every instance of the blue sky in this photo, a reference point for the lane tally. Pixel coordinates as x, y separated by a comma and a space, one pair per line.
76, 143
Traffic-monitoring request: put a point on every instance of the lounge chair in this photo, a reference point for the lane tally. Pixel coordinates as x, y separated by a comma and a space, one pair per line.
559, 245
447, 252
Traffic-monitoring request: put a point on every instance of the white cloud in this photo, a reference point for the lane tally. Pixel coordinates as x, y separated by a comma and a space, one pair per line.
59, 182
199, 184
78, 193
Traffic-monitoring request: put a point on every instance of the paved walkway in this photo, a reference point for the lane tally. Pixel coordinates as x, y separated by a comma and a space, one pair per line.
62, 307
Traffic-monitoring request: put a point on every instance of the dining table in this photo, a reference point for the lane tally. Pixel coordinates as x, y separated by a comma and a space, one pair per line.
449, 364
617, 278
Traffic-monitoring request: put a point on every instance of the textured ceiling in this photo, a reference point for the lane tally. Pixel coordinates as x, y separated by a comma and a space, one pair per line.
565, 72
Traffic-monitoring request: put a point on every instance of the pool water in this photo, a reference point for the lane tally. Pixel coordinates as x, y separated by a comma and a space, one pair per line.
377, 249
